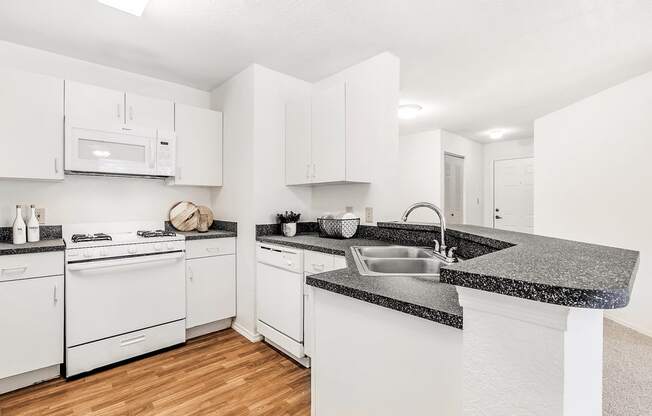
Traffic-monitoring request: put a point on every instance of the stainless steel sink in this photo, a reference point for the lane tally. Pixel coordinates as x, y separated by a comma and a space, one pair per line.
397, 261
395, 252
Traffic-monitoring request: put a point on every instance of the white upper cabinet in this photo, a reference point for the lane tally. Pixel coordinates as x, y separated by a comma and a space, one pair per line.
329, 134
199, 146
31, 126
149, 112
103, 108
298, 163
331, 138
92, 106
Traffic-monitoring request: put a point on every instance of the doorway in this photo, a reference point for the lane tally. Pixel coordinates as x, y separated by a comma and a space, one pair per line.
454, 188
514, 194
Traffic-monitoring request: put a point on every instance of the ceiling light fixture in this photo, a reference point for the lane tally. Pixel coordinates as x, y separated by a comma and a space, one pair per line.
496, 134
408, 111
135, 7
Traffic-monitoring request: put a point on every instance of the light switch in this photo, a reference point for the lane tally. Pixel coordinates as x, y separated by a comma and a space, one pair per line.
369, 215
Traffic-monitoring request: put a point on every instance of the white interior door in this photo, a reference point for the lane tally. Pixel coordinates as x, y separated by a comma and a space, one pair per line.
514, 194
454, 189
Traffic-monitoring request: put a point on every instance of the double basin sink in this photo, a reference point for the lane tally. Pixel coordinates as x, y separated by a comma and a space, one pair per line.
397, 261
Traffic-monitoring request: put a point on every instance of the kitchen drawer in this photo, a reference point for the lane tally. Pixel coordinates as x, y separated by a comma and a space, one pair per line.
315, 262
25, 266
210, 247
97, 354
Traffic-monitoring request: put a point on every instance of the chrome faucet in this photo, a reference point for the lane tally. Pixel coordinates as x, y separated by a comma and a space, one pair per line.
439, 247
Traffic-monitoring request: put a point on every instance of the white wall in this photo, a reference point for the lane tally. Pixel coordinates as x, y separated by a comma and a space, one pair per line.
273, 90
382, 194
510, 149
593, 176
421, 172
254, 188
235, 200
90, 199
473, 174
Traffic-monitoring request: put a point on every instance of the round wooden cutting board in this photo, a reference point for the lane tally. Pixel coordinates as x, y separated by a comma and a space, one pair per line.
209, 218
184, 216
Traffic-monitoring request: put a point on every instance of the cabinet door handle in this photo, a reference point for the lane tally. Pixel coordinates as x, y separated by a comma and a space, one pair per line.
191, 275
56, 165
118, 113
213, 249
131, 112
56, 299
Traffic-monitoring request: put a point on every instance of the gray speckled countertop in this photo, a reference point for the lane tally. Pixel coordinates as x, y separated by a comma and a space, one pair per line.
538, 268
419, 297
196, 235
42, 246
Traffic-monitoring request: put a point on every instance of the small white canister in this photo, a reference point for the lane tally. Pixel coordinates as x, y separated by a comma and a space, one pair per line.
289, 229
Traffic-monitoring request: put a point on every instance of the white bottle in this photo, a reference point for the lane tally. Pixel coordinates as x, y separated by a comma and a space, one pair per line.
19, 230
33, 231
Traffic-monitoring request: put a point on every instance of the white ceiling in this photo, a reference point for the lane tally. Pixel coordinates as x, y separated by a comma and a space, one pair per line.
474, 65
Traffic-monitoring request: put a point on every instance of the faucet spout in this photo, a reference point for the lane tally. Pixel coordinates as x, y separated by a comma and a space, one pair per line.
440, 214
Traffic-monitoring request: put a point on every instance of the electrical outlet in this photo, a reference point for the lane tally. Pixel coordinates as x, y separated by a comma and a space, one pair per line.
368, 215
348, 209
40, 215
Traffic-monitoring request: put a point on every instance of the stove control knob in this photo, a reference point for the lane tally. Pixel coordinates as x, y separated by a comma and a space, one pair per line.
88, 253
104, 252
170, 246
132, 250
158, 247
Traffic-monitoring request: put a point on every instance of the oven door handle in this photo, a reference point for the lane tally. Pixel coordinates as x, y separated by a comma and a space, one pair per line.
103, 264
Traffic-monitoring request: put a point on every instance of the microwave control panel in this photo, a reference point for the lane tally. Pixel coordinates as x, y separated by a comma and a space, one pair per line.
165, 154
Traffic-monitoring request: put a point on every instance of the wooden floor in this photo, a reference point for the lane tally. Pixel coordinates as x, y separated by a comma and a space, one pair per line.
217, 374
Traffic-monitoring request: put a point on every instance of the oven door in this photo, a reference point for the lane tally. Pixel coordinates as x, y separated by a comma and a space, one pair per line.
111, 151
109, 297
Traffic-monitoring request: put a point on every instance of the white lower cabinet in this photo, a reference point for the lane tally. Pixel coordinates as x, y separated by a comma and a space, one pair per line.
31, 321
210, 281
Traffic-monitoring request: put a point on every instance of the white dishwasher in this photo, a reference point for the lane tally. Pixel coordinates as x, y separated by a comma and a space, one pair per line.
279, 288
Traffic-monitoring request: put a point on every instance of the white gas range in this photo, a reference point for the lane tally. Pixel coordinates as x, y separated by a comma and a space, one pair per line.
125, 292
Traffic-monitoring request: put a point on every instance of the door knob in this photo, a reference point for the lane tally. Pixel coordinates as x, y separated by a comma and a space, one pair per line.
497, 210
498, 217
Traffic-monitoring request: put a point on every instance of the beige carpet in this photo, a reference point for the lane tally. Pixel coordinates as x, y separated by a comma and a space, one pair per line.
627, 387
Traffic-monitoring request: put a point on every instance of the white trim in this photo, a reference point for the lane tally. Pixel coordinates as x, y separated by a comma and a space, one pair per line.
543, 314
27, 379
208, 328
251, 336
627, 324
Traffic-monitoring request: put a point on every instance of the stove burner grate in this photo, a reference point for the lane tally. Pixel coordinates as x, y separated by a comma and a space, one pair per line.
156, 233
80, 238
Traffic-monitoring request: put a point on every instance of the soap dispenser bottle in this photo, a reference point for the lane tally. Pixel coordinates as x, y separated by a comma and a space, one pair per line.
19, 231
33, 229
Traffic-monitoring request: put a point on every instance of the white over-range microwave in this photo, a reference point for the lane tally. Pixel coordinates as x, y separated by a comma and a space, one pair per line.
119, 151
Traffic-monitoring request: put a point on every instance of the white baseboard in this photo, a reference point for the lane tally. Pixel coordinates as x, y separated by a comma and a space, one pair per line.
251, 336
27, 379
200, 330
643, 331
